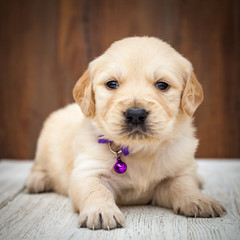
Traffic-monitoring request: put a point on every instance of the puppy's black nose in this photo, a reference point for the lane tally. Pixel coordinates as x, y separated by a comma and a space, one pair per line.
135, 116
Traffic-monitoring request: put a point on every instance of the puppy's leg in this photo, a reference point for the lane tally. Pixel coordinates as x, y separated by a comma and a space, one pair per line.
38, 181
184, 196
94, 201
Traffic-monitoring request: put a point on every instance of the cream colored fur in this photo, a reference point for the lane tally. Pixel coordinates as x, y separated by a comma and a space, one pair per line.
161, 165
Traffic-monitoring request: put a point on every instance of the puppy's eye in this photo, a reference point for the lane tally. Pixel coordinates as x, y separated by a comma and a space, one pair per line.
112, 84
163, 86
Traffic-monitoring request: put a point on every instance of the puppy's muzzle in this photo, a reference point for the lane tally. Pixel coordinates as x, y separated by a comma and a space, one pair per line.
135, 118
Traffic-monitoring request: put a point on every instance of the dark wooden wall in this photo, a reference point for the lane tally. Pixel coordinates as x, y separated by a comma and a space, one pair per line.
46, 45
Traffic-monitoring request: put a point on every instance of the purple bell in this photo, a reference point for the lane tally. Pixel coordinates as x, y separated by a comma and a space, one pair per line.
120, 167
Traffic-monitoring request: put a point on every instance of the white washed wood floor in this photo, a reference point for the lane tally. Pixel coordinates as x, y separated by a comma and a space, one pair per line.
49, 216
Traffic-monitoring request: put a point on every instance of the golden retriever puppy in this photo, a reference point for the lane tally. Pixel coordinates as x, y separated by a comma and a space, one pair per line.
132, 139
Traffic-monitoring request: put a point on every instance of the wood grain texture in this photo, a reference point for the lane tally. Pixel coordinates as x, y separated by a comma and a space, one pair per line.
46, 45
12, 178
50, 216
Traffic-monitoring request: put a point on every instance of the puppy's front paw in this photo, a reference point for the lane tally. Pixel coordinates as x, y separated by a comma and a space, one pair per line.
38, 182
199, 206
107, 216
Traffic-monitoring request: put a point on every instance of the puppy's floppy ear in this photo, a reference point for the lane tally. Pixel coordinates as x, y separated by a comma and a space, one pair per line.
192, 95
84, 95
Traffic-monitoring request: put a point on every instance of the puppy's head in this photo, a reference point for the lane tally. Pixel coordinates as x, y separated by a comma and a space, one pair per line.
137, 90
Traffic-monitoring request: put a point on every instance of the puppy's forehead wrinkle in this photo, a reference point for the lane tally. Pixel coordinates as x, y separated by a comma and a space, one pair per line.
149, 49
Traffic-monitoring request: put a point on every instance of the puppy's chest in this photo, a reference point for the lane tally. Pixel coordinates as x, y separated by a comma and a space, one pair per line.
144, 171
137, 185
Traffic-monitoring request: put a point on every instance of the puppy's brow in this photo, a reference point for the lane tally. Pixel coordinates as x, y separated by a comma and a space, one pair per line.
103, 77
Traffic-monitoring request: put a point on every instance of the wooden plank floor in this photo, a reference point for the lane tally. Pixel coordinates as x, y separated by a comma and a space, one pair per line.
49, 216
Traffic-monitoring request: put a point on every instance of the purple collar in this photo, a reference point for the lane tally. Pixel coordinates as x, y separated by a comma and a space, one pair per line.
124, 149
119, 167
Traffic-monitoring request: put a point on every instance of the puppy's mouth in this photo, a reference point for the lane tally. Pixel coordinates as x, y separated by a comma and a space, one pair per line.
135, 134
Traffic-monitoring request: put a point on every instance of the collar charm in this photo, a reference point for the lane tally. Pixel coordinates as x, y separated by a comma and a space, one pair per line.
119, 167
